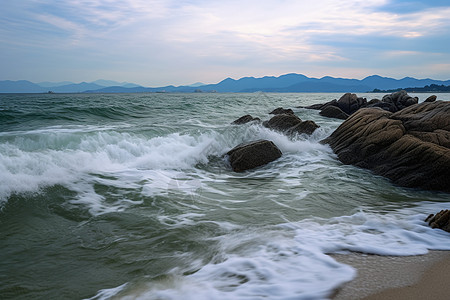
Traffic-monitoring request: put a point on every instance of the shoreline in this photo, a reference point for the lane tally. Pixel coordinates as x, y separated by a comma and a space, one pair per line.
396, 277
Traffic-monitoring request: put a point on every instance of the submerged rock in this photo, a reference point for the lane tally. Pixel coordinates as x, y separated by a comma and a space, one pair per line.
411, 147
254, 154
440, 220
245, 119
290, 124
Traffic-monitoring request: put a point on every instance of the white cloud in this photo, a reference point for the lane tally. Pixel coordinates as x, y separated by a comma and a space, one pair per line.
171, 35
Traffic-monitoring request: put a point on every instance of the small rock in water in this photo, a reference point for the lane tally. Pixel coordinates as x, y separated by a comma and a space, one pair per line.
254, 154
440, 220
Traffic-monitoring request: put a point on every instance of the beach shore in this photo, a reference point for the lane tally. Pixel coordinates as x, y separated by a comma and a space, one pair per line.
393, 277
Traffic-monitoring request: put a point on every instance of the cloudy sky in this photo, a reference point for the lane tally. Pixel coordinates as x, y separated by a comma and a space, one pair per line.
160, 42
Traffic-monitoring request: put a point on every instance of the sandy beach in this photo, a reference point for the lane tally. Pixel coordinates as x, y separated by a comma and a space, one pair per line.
389, 277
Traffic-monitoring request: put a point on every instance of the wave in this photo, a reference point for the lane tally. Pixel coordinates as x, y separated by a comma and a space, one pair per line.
75, 157
292, 261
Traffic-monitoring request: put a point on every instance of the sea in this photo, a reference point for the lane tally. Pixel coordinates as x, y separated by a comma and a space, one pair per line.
131, 196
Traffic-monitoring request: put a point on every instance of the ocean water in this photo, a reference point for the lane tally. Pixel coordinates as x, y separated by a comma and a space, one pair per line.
129, 196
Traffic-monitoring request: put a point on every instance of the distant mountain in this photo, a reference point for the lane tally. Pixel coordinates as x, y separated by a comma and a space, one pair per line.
300, 83
432, 88
197, 84
24, 86
21, 86
48, 84
76, 87
107, 83
284, 83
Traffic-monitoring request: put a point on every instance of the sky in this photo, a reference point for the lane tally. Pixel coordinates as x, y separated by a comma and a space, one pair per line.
162, 42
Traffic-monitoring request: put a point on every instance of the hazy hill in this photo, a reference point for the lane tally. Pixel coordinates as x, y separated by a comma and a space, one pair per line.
284, 83
20, 86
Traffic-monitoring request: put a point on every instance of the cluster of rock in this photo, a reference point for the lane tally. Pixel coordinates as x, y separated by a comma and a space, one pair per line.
350, 103
441, 220
411, 147
254, 154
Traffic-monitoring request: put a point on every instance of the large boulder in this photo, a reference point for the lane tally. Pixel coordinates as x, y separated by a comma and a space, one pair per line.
254, 154
290, 124
411, 147
349, 103
441, 220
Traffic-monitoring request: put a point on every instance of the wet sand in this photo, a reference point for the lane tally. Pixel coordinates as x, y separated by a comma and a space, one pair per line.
392, 277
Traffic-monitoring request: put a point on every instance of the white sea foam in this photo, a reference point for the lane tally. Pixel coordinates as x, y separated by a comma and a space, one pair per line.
158, 165
292, 262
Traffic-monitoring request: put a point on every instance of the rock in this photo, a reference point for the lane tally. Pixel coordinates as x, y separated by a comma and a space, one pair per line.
386, 106
290, 124
373, 102
333, 112
411, 147
245, 119
349, 103
400, 100
281, 110
440, 220
254, 154
432, 98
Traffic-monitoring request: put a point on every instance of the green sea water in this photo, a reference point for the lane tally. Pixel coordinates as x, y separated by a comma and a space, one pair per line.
130, 196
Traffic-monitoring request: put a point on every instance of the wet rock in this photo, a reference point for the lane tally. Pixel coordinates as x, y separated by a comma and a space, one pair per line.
254, 154
281, 110
333, 112
411, 147
432, 98
400, 100
245, 119
440, 220
349, 103
290, 124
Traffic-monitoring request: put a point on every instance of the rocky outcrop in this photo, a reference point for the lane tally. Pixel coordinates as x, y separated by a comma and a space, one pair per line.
245, 119
280, 110
440, 220
290, 124
411, 147
251, 155
350, 103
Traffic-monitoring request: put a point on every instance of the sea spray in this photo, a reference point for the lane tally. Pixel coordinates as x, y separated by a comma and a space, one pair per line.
131, 196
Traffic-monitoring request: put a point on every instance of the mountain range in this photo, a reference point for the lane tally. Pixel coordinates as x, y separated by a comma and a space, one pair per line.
284, 83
